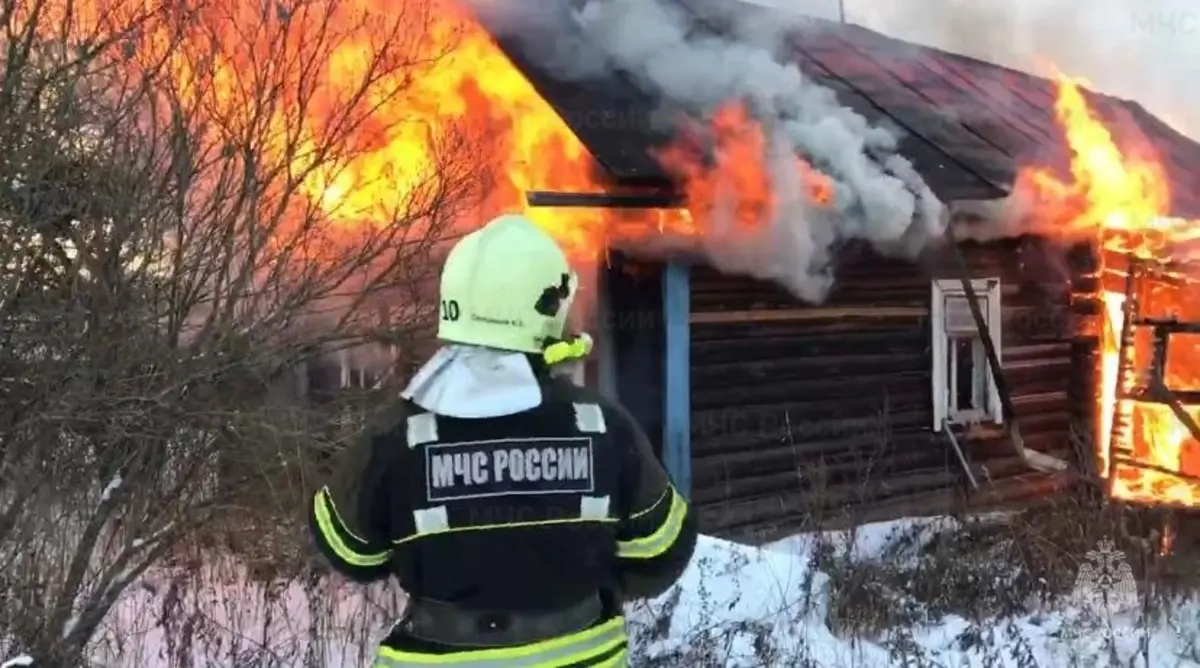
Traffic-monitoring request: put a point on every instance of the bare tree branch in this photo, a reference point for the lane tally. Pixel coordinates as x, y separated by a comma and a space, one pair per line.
180, 230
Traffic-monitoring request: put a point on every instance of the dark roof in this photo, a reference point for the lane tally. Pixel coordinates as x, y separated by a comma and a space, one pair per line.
1007, 115
966, 124
609, 114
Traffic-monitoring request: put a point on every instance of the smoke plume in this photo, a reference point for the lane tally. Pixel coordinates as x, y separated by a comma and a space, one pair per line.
879, 197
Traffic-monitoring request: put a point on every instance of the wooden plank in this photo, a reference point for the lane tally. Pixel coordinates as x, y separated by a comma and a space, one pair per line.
801, 410
767, 346
1018, 493
805, 330
717, 489
803, 314
815, 441
800, 506
771, 371
785, 390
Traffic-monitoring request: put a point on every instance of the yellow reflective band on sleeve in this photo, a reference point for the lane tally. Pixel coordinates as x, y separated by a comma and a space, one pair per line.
618, 661
562, 351
665, 497
589, 645
661, 540
332, 530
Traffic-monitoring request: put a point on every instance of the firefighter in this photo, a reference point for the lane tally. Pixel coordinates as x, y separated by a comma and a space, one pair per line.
516, 509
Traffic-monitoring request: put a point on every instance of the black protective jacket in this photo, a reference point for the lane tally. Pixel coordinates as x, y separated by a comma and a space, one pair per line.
527, 513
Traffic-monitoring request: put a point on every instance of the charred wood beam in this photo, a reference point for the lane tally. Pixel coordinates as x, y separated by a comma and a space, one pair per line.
1036, 460
1158, 358
1146, 395
1159, 393
1166, 396
1125, 346
1169, 326
546, 198
1146, 466
1166, 279
1157, 390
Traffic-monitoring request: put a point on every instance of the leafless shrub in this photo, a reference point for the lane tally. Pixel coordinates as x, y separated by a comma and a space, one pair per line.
176, 240
219, 614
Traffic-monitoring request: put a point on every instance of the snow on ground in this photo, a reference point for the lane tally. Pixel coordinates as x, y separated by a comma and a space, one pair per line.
729, 597
773, 587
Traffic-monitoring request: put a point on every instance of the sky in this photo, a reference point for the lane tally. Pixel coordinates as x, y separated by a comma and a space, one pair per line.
1146, 50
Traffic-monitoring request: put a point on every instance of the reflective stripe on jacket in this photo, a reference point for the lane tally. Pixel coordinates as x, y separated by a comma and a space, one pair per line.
602, 646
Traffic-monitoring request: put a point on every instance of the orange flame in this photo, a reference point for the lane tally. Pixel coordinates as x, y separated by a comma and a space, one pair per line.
430, 75
738, 178
398, 84
461, 81
1118, 198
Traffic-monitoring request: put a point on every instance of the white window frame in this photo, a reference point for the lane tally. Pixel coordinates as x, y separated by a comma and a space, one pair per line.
351, 376
945, 411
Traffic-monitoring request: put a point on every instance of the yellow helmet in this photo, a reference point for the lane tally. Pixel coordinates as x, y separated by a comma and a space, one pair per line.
507, 285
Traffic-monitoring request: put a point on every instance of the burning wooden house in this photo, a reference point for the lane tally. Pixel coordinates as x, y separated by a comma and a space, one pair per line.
884, 399
1148, 432
986, 371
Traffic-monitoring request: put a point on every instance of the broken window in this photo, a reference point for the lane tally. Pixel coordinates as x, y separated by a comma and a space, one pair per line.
964, 391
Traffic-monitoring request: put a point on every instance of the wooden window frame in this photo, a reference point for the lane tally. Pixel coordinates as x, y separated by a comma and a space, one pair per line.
945, 409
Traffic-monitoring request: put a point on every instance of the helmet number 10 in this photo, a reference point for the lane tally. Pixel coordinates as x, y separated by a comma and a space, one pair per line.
449, 310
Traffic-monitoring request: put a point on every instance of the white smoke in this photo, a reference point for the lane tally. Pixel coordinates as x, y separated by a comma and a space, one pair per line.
879, 197
1146, 50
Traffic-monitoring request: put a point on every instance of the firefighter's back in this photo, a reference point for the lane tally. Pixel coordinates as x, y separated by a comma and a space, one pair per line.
506, 529
517, 510
514, 512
